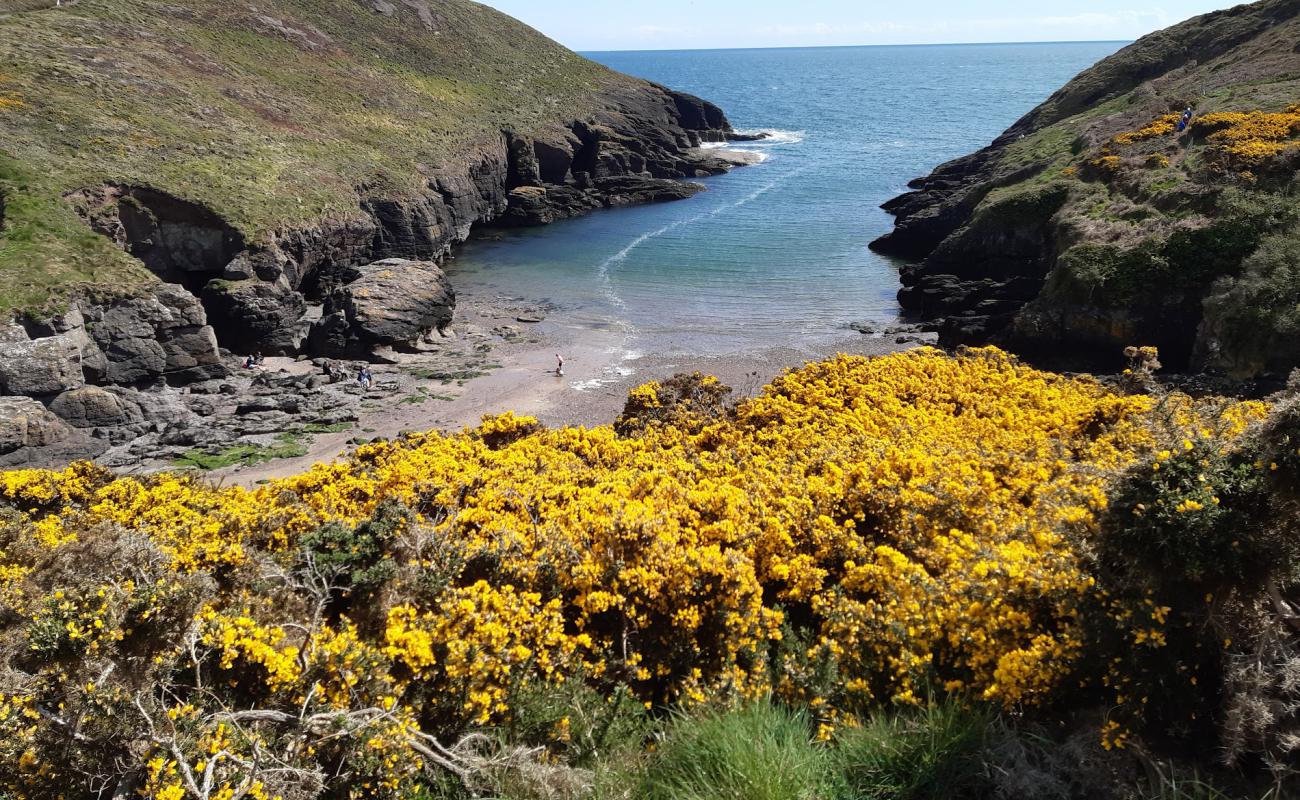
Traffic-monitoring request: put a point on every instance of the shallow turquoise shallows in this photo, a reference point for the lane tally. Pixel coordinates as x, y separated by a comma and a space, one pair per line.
776, 254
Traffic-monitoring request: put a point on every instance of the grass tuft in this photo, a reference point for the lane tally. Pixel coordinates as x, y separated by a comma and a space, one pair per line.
760, 752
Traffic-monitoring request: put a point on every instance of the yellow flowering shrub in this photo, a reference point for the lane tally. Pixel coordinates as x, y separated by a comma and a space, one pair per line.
479, 644
1250, 140
1160, 126
911, 524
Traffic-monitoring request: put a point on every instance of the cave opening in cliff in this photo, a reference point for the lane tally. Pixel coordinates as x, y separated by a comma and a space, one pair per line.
179, 241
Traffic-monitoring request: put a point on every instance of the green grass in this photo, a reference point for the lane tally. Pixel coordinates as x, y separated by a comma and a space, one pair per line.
209, 102
1050, 144
337, 427
288, 446
458, 376
46, 248
761, 752
934, 752
765, 751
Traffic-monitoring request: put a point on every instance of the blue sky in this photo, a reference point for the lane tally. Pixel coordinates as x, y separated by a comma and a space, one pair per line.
672, 24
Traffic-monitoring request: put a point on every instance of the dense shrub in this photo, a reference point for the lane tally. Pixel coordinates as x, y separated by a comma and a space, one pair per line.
686, 399
868, 533
1197, 558
1182, 265
1256, 316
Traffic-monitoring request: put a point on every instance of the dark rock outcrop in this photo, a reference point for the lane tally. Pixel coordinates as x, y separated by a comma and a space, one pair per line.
1031, 245
94, 407
163, 334
44, 365
638, 144
126, 341
256, 314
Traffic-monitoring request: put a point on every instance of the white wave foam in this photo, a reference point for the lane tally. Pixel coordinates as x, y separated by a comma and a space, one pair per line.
606, 266
775, 137
759, 192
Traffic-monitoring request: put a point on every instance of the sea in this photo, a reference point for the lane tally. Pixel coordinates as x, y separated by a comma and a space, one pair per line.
774, 255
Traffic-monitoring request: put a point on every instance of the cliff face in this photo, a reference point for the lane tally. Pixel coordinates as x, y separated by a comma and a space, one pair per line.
252, 156
183, 176
1094, 223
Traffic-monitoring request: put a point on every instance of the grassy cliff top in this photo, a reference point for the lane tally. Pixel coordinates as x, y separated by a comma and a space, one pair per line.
270, 114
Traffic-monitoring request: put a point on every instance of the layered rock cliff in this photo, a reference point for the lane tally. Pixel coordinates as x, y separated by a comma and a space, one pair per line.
1095, 222
181, 177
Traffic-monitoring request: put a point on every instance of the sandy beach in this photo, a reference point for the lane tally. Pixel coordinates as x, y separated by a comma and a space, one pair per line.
500, 356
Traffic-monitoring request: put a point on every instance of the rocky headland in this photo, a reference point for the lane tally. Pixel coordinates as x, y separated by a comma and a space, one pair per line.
1096, 222
282, 180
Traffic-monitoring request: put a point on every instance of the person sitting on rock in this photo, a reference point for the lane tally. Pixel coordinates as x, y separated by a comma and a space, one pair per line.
259, 359
248, 362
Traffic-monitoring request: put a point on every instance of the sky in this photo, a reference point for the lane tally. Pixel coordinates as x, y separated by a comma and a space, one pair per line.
685, 24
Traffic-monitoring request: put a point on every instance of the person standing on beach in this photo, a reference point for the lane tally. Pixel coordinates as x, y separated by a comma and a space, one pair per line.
559, 365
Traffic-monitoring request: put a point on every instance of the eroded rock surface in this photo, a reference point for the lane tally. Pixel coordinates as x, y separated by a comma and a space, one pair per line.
389, 303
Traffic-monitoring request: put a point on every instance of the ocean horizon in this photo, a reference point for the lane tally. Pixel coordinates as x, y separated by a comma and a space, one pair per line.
593, 53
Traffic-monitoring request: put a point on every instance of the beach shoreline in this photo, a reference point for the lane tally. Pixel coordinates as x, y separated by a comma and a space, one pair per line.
500, 356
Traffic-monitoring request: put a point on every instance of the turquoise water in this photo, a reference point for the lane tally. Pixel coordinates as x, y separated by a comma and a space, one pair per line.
776, 254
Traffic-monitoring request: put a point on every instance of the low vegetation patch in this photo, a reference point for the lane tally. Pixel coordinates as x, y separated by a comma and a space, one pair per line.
828, 591
288, 445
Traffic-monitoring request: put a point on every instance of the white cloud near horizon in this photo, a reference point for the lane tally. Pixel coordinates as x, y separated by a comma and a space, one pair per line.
669, 24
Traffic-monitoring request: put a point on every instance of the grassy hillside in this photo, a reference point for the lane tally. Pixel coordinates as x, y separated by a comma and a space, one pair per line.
270, 115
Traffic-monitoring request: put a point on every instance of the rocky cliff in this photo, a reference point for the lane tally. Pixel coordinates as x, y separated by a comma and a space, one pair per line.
1095, 222
181, 177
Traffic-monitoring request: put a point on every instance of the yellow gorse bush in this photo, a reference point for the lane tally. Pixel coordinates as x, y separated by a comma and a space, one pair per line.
1251, 139
1160, 126
910, 520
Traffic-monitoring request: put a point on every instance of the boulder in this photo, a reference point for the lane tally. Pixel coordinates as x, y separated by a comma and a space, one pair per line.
24, 422
391, 303
93, 407
160, 405
256, 315
31, 436
43, 366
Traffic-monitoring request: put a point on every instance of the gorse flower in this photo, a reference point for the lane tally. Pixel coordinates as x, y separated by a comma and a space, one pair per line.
909, 522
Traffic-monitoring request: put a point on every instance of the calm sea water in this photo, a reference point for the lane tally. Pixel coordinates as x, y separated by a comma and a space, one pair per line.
776, 254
